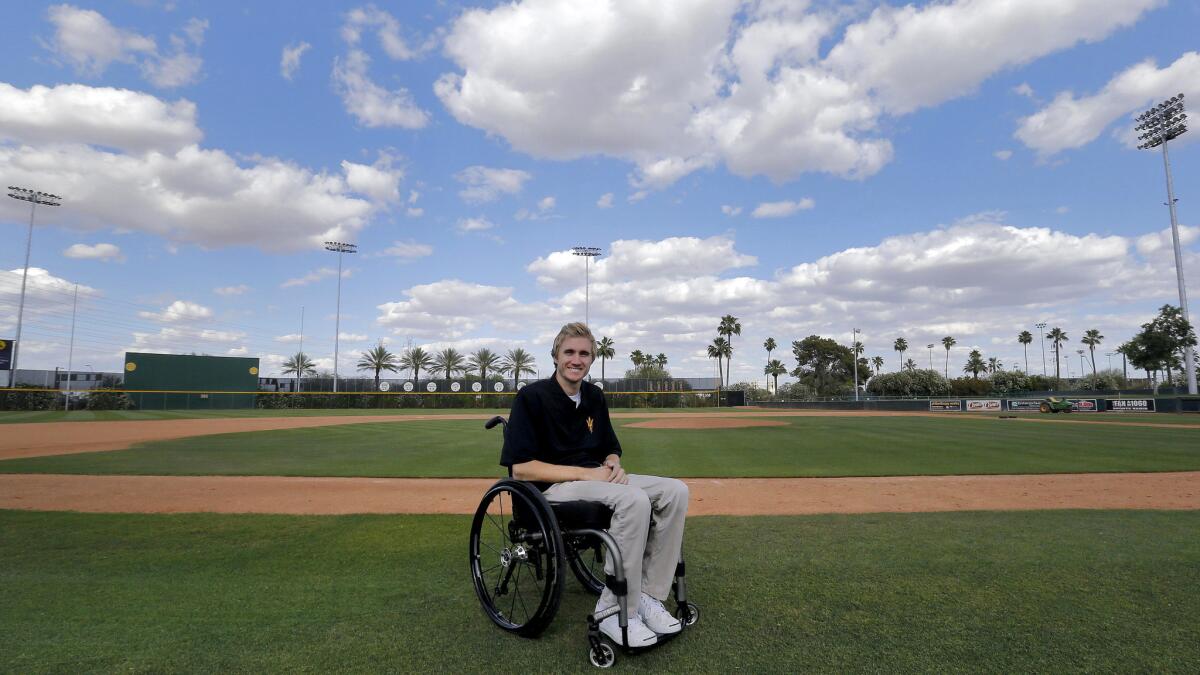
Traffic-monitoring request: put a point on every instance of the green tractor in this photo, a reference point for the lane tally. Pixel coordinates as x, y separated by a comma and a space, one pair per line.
1054, 404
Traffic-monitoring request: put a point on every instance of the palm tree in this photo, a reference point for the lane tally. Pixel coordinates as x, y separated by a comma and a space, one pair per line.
516, 362
878, 363
1092, 338
910, 365
300, 365
900, 345
638, 358
1058, 336
770, 346
975, 364
994, 364
483, 360
717, 351
774, 369
729, 327
449, 361
378, 359
948, 342
416, 359
661, 360
1025, 337
604, 350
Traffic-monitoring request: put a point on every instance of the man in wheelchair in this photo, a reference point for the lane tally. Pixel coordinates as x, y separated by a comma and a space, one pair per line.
560, 438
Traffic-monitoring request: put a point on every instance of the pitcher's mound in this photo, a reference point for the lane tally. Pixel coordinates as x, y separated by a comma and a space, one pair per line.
688, 422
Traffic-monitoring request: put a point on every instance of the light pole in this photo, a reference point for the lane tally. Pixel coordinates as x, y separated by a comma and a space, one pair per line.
1041, 326
854, 353
34, 197
1082, 369
588, 252
339, 248
1109, 356
930, 348
1164, 122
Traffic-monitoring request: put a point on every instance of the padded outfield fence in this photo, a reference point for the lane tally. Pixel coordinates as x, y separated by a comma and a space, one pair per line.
133, 399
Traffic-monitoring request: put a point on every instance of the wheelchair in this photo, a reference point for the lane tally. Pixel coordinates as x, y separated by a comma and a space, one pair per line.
521, 546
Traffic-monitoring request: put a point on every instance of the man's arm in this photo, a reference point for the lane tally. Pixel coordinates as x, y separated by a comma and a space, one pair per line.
545, 472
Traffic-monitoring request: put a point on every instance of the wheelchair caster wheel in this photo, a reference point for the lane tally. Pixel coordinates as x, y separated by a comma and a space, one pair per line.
690, 614
602, 656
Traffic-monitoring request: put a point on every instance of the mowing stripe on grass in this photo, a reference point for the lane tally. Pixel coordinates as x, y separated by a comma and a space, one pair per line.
968, 592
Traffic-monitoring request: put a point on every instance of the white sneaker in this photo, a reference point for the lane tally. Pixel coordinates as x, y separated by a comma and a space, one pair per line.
656, 617
639, 634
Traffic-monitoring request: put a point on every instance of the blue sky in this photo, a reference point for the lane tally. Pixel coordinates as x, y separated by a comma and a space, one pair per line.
952, 168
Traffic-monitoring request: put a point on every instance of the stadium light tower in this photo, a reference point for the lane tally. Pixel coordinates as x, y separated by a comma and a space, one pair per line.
854, 354
34, 197
930, 348
339, 248
1041, 326
1162, 123
588, 252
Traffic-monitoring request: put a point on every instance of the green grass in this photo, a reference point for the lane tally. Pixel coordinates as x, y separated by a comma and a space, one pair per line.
54, 416
965, 592
806, 446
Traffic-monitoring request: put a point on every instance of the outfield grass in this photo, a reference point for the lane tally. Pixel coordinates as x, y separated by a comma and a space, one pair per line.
805, 446
1000, 592
54, 416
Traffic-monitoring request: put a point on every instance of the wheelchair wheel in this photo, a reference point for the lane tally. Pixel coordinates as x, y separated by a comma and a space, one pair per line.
586, 556
517, 558
602, 656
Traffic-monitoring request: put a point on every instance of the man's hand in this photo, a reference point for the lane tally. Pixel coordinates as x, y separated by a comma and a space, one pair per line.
618, 474
600, 473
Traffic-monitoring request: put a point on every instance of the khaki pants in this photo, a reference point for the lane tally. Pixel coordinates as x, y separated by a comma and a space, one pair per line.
650, 555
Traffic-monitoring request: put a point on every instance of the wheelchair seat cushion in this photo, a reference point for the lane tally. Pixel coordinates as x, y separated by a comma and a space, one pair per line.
582, 514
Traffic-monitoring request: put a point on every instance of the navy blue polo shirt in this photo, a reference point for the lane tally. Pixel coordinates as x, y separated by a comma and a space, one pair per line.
545, 425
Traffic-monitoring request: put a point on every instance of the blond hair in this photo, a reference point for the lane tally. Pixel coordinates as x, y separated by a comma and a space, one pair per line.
573, 329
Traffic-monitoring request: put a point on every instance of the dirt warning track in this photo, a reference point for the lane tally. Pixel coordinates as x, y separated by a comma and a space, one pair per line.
742, 497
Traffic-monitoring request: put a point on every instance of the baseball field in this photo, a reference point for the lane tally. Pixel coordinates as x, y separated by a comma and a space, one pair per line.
819, 542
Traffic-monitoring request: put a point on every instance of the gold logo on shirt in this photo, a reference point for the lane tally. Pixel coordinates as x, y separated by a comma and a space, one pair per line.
590, 423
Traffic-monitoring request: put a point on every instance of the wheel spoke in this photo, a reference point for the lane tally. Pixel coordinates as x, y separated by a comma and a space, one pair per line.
517, 591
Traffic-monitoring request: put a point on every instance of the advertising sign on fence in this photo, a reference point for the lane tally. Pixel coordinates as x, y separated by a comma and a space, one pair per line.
982, 405
1131, 404
1083, 405
1024, 404
6, 354
944, 405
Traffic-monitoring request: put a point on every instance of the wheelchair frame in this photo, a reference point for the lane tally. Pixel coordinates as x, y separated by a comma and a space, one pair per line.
532, 538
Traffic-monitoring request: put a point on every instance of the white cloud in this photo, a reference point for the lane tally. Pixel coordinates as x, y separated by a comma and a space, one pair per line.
546, 204
1023, 89
730, 210
180, 310
387, 28
369, 103
414, 213
1002, 155
445, 309
102, 252
45, 295
1062, 210
408, 250
782, 209
380, 182
229, 291
289, 60
633, 259
605, 201
1151, 245
743, 84
485, 184
117, 118
314, 276
474, 224
1069, 122
352, 337
90, 43
130, 160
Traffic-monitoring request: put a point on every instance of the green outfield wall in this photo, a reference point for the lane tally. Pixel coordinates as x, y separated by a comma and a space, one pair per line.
152, 380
